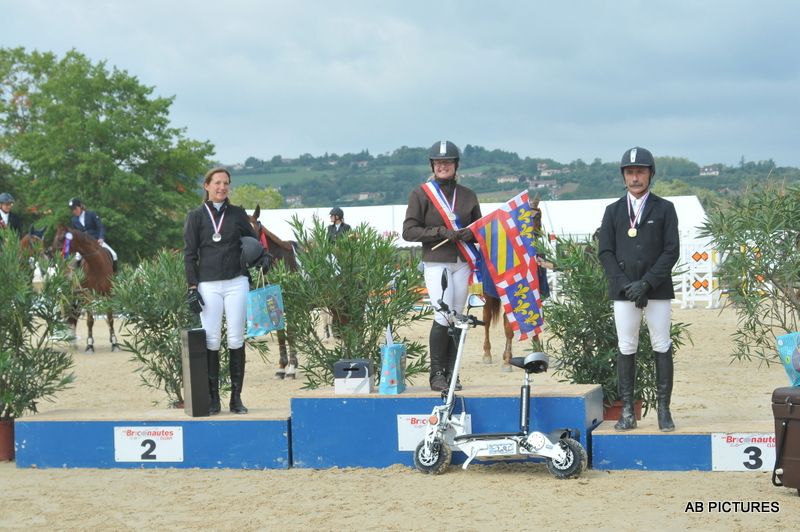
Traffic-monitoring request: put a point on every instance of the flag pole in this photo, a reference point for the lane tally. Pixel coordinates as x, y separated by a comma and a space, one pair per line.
445, 241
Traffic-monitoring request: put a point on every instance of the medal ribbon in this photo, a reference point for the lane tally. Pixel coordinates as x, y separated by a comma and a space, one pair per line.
634, 218
216, 226
468, 249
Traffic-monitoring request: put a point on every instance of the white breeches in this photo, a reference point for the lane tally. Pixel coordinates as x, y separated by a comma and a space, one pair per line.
113, 253
628, 320
455, 296
229, 295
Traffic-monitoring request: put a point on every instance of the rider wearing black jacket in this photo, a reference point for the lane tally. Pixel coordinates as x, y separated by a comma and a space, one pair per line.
218, 281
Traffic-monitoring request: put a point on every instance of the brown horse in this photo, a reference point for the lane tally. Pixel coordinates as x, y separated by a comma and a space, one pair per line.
493, 309
98, 272
33, 242
281, 250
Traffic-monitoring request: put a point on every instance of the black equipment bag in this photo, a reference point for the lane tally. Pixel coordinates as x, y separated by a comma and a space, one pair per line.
196, 400
786, 409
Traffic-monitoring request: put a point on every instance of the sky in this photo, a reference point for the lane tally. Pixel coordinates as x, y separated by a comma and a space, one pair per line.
714, 81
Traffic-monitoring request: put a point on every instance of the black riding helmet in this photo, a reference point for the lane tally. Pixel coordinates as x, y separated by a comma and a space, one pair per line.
75, 202
444, 150
638, 157
336, 211
252, 251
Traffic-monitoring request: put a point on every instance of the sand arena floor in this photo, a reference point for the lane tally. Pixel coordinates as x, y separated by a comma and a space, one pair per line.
709, 390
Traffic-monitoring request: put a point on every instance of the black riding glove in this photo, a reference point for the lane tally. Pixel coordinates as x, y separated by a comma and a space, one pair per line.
635, 289
641, 301
195, 301
449, 234
466, 235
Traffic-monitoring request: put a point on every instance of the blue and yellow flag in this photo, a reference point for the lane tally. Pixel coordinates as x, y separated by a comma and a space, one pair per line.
506, 240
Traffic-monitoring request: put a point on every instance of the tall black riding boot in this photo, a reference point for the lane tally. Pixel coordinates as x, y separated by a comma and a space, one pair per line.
439, 345
237, 379
452, 353
213, 381
626, 377
664, 372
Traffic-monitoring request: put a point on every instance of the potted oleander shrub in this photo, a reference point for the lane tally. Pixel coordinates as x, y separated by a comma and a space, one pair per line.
152, 300
34, 365
366, 283
581, 332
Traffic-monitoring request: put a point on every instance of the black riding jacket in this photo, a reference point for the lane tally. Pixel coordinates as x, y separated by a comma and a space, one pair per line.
206, 260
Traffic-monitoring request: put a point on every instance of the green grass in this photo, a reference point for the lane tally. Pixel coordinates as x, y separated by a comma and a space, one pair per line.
278, 178
300, 174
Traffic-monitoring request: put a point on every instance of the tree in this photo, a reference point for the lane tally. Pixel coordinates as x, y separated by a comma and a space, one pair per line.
248, 196
757, 236
676, 187
70, 127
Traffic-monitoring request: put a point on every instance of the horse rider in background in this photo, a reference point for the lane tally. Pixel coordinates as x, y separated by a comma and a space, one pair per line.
8, 219
90, 222
337, 227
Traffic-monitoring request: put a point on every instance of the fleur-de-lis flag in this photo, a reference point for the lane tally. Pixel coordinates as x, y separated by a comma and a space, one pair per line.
506, 240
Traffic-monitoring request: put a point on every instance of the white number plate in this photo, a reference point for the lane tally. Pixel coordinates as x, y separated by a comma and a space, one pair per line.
148, 444
742, 451
501, 449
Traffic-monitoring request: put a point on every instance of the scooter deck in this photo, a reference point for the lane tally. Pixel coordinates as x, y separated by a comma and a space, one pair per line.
488, 436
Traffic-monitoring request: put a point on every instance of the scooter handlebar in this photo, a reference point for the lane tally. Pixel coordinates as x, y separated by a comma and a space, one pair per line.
471, 320
463, 318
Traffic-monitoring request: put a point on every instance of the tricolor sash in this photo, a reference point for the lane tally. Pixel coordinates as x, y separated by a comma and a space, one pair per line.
469, 250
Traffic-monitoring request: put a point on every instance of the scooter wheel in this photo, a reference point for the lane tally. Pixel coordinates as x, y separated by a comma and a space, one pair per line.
574, 462
434, 461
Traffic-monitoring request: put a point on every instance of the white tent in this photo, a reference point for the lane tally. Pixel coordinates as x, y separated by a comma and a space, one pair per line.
576, 218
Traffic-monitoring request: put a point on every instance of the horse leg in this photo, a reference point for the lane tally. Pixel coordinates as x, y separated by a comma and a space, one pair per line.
326, 323
89, 337
507, 351
111, 336
283, 361
487, 344
291, 368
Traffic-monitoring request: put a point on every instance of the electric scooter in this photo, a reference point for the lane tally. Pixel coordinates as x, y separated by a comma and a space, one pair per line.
564, 455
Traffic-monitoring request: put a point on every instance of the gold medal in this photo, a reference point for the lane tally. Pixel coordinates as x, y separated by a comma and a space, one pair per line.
632, 232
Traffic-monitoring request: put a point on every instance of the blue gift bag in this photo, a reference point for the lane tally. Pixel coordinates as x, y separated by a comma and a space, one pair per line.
264, 311
393, 378
789, 351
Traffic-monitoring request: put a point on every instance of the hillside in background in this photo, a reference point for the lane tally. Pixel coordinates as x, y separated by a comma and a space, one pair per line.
496, 175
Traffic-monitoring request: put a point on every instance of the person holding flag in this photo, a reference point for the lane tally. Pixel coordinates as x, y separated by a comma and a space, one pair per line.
438, 214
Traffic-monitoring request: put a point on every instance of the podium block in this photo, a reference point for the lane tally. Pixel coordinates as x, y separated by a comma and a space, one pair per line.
195, 373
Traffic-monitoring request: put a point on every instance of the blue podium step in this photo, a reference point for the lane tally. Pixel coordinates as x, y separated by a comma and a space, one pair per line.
157, 439
330, 430
690, 447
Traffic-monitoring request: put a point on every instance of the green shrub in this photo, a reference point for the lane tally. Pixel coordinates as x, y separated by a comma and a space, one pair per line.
33, 366
757, 236
361, 277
